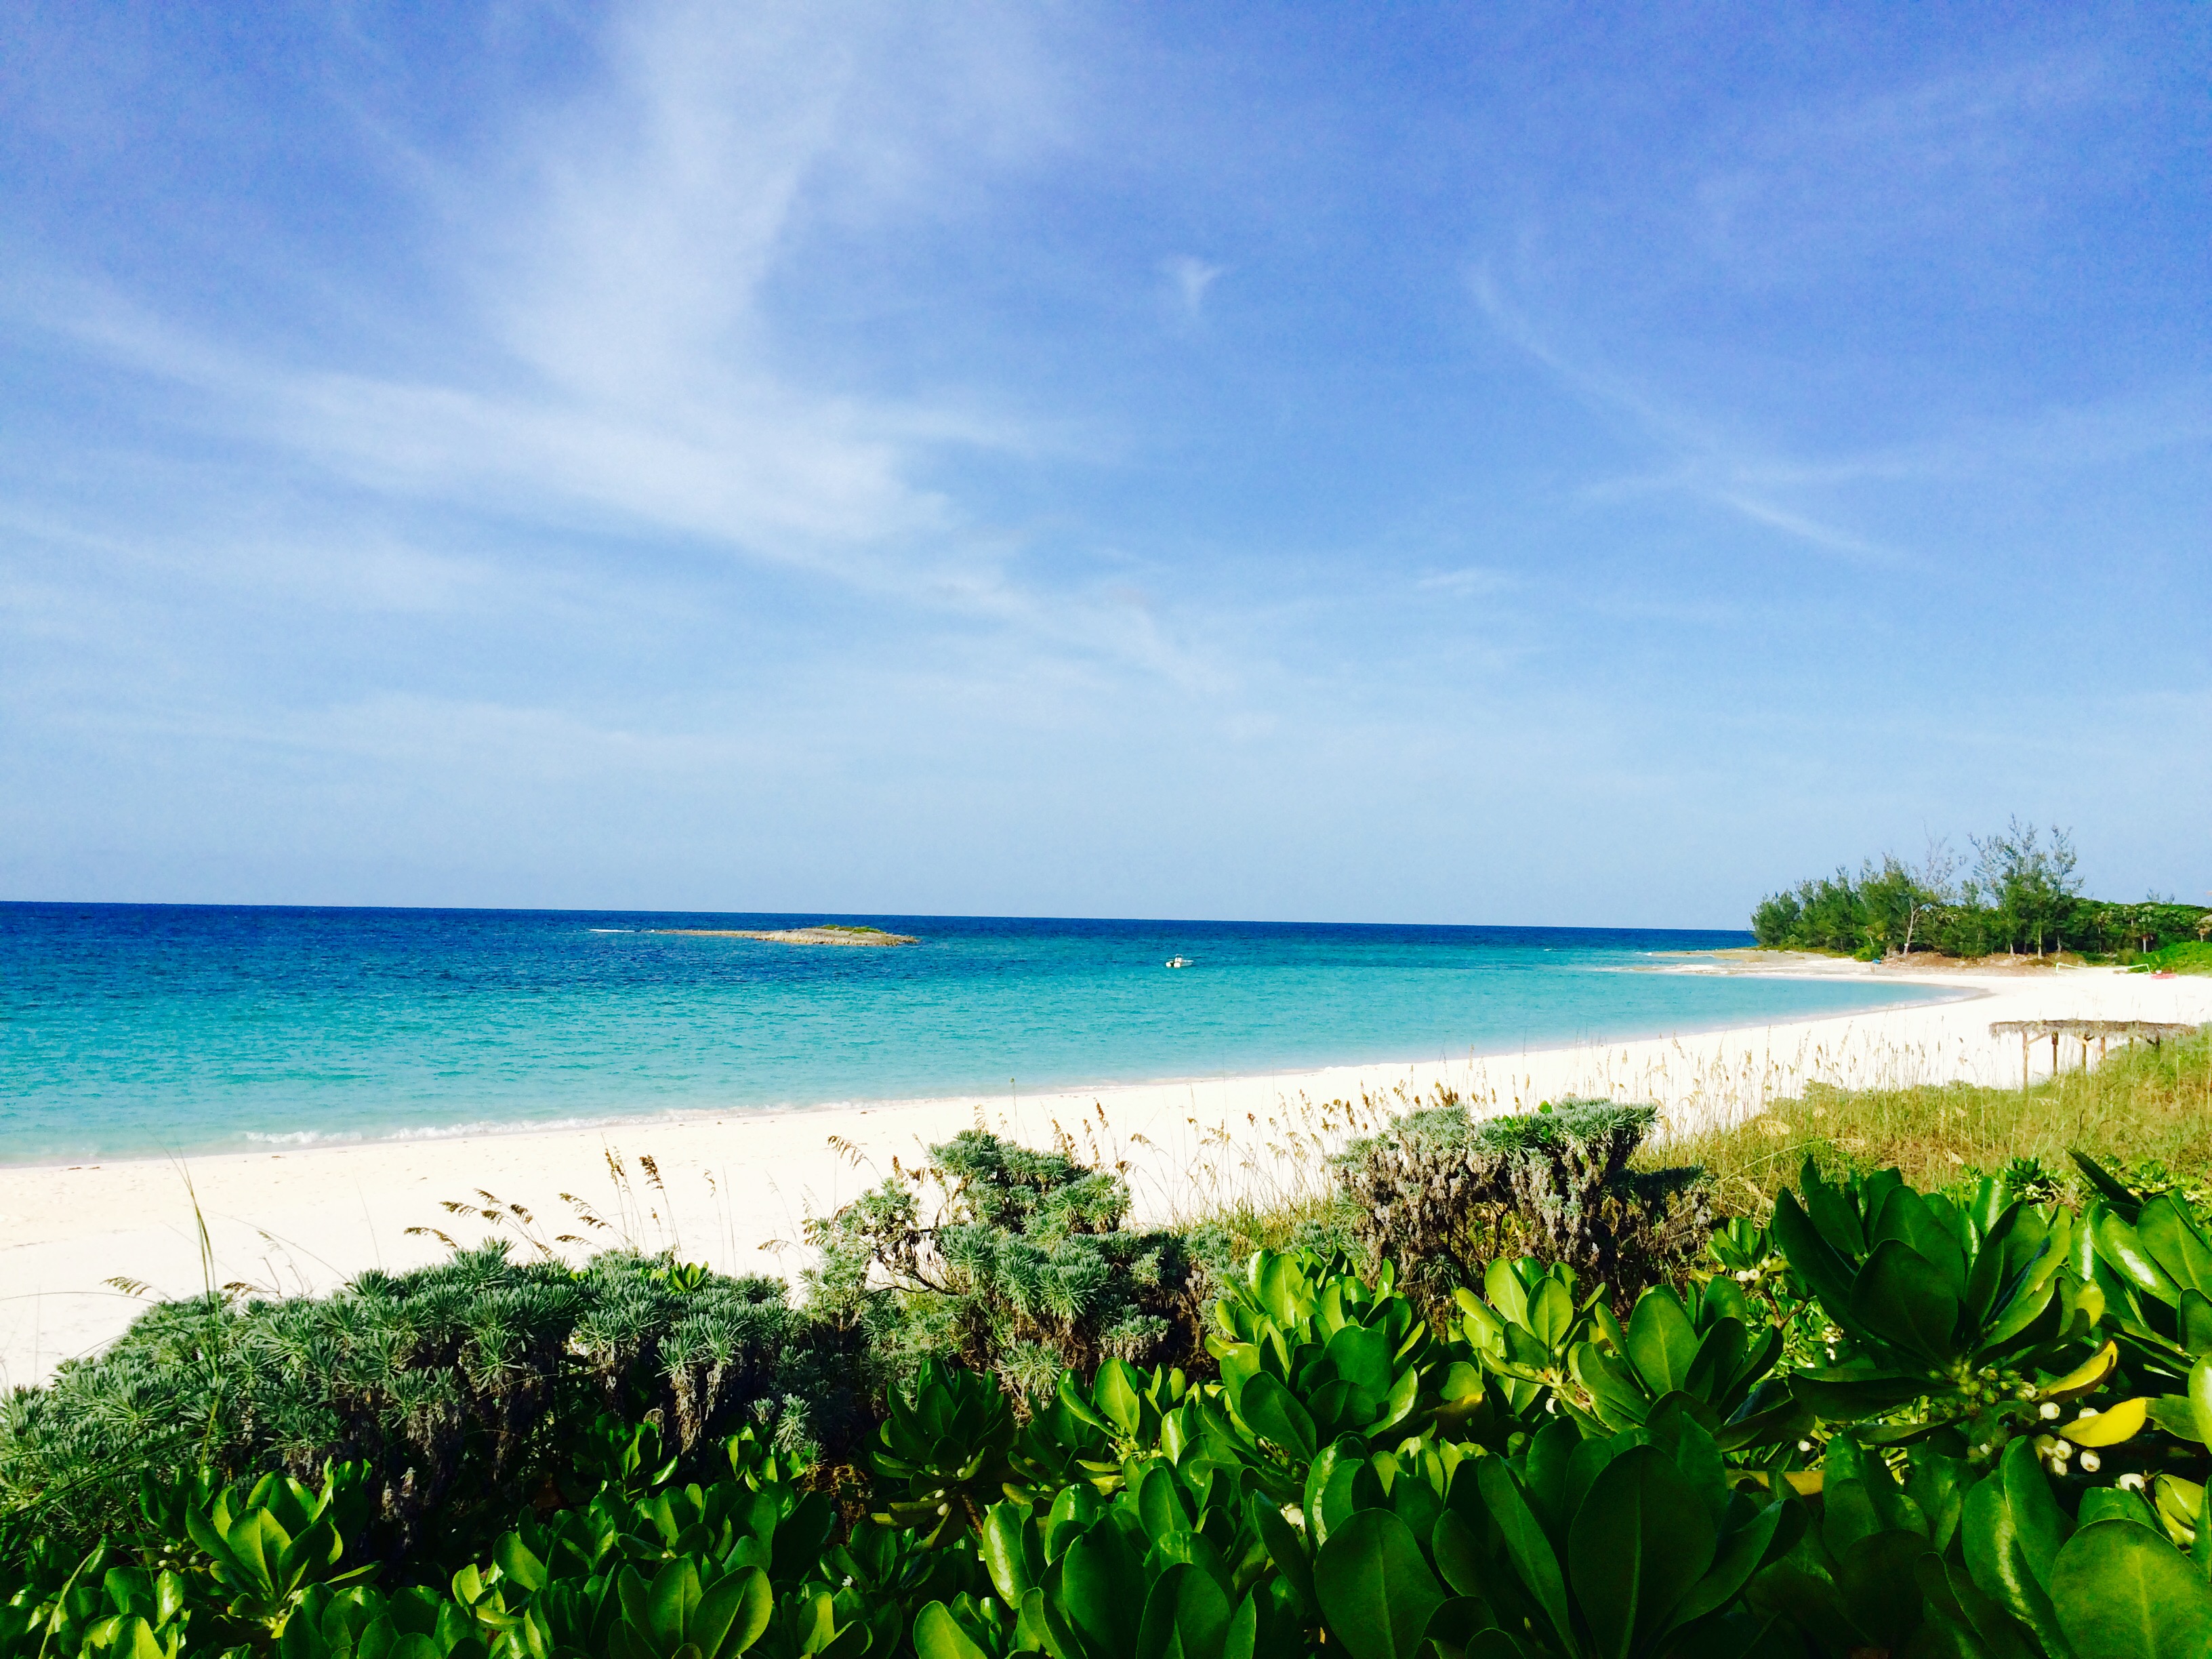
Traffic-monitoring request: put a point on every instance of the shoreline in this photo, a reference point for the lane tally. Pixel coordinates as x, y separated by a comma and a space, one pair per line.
1947, 987
734, 1187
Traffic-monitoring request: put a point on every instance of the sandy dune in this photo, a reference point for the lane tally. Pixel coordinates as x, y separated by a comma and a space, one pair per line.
734, 1186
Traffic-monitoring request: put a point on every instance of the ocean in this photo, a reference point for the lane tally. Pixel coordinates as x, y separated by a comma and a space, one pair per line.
149, 1030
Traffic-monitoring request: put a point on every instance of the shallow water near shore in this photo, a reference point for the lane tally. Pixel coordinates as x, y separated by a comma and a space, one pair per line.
138, 1030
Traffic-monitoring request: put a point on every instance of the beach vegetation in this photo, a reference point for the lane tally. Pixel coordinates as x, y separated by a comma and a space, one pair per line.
1996, 1445
2181, 956
2146, 1109
2020, 896
1446, 1192
1932, 1390
449, 1391
1005, 1260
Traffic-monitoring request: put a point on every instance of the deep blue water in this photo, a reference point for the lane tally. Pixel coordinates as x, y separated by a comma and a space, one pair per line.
137, 1029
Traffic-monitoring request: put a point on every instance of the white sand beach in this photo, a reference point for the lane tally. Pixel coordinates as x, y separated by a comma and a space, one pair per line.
734, 1189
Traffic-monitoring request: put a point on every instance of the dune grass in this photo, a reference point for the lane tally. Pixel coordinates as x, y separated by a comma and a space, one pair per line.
2146, 1113
2182, 958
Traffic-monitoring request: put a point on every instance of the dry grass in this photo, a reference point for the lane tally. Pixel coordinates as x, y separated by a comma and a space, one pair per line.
1266, 1179
2145, 1111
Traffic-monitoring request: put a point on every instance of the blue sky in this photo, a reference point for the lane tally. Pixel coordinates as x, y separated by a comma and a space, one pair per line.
1538, 465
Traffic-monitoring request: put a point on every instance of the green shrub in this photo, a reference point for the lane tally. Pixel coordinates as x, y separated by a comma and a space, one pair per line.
1005, 1260
2189, 956
1445, 1193
476, 1379
1352, 1484
1995, 1445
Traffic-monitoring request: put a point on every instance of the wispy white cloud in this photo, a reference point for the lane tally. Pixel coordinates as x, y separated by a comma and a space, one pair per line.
1837, 178
1700, 460
1189, 279
616, 357
1470, 582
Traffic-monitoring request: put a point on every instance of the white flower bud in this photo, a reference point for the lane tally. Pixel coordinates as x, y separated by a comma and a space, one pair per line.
2050, 1411
2090, 1462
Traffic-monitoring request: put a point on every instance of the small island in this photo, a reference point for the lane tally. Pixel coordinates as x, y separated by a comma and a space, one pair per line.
828, 933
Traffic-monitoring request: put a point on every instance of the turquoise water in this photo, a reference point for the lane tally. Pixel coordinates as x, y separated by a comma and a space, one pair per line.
144, 1028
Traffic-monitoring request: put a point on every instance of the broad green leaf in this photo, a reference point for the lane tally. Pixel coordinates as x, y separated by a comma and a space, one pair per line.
1906, 1299
1375, 1589
735, 1614
1618, 1398
2120, 1249
1846, 1394
1279, 1290
1834, 1212
1103, 1584
1186, 1617
1723, 1357
1116, 1392
2122, 1592
1812, 1257
1338, 1406
1998, 1562
1662, 1344
2174, 1243
1878, 1577
1275, 1414
1073, 1511
1584, 1465
2043, 1526
1533, 1562
1950, 1593
1551, 1451
1007, 1546
1457, 1622
1552, 1313
1362, 1358
2110, 1503
1910, 1221
1737, 1555
1639, 1541
1286, 1546
1458, 1555
2009, 1245
1414, 1501
1340, 1482
674, 1598
1071, 1397
1502, 1290
1160, 1504
1043, 1626
1932, 1498
516, 1561
1675, 1430
936, 1635
1398, 1405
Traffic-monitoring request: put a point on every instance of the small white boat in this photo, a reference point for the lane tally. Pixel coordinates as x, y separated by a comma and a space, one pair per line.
1178, 961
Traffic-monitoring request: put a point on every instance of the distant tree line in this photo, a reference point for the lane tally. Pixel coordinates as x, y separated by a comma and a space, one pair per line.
2019, 894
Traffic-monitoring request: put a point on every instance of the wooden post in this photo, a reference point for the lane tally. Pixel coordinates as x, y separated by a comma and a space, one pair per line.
2054, 1056
2023, 1062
